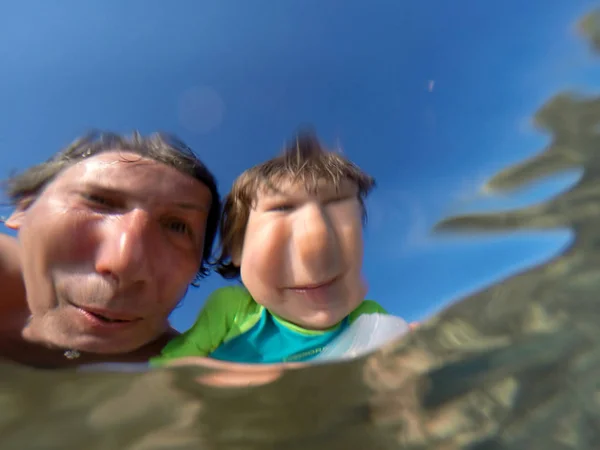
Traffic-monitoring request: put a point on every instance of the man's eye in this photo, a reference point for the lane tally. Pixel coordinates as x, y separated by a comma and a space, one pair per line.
179, 227
98, 199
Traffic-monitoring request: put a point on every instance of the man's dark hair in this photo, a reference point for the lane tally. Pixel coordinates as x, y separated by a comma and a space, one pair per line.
161, 147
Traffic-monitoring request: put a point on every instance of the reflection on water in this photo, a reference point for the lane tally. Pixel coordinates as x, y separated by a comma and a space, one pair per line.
514, 366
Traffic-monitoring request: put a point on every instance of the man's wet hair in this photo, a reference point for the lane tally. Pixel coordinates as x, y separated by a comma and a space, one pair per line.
161, 147
305, 160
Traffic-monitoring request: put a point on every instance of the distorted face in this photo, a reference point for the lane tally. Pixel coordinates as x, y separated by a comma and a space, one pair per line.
108, 250
302, 253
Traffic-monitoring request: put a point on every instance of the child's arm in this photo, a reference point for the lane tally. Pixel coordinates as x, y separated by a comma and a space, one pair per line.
210, 329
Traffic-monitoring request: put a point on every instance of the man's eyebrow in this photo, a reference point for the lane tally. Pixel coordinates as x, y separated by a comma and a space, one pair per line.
100, 187
109, 190
192, 206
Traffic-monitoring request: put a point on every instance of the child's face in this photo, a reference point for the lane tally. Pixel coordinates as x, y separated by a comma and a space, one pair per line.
303, 252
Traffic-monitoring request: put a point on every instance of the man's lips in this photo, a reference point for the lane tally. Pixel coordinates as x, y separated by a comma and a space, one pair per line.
110, 315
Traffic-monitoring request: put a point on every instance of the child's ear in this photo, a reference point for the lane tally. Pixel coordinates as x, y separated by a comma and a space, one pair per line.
236, 256
15, 220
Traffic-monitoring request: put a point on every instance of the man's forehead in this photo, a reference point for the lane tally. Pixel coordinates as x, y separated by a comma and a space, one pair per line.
121, 165
129, 171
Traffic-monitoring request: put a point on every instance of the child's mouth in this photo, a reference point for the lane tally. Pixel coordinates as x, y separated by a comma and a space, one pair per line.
314, 286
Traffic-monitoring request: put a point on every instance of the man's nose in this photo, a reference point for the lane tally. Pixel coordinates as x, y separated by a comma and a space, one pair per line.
125, 247
315, 240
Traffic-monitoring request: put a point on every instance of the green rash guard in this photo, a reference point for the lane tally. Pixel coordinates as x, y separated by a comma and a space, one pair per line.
233, 327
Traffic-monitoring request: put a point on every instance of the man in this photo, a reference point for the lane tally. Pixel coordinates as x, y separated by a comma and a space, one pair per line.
111, 232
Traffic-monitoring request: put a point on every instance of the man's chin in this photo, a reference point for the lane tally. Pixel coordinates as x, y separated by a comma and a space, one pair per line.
101, 346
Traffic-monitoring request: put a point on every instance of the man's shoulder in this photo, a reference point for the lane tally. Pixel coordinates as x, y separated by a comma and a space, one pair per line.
10, 258
11, 278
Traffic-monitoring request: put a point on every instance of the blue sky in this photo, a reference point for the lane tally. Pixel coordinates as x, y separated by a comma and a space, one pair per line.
429, 96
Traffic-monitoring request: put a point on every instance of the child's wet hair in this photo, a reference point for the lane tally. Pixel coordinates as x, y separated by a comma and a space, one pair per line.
304, 160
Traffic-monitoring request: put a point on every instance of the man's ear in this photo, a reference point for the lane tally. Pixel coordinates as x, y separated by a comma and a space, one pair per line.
15, 220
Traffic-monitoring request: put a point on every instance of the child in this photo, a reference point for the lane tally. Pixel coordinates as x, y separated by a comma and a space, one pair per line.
292, 229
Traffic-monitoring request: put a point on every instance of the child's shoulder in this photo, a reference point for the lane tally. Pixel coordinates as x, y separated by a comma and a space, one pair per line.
230, 298
367, 307
230, 293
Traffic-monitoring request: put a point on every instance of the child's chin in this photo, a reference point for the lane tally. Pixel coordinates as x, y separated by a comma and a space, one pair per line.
323, 323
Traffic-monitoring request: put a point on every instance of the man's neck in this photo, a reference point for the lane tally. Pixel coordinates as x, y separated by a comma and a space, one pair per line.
39, 356
13, 347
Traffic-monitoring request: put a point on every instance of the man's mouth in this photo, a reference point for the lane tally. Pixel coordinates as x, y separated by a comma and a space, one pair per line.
108, 316
108, 319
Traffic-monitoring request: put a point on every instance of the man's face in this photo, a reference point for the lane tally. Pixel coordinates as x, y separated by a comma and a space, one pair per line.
302, 253
109, 249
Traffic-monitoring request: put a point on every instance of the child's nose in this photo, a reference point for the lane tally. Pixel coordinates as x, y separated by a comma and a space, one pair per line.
315, 240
